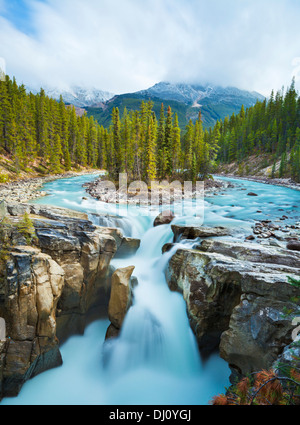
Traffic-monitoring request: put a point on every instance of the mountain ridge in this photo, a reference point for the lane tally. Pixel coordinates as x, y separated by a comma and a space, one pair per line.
78, 96
185, 99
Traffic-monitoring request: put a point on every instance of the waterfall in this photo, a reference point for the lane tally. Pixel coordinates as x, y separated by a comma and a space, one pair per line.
156, 326
155, 359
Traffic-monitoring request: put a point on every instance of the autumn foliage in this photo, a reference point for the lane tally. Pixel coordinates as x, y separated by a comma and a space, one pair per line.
263, 388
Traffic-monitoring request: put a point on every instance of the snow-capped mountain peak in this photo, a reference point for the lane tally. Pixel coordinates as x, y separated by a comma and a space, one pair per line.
78, 96
192, 94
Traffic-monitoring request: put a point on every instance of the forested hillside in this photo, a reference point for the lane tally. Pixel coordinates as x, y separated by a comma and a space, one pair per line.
39, 133
185, 100
35, 129
268, 131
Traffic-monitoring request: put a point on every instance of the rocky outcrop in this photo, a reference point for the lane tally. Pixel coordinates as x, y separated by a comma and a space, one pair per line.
121, 296
128, 247
238, 296
122, 285
113, 225
47, 292
192, 232
166, 217
29, 295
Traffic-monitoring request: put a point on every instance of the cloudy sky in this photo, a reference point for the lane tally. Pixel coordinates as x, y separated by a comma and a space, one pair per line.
128, 45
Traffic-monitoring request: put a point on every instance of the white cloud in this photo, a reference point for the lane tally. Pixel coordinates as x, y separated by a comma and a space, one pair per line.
127, 45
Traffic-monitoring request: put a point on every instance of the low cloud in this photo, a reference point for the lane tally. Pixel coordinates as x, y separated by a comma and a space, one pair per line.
128, 45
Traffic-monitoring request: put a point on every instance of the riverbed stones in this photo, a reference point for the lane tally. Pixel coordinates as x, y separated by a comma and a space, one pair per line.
29, 189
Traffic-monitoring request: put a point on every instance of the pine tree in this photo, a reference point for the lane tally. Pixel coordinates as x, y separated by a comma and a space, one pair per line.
167, 148
160, 143
56, 155
151, 150
176, 147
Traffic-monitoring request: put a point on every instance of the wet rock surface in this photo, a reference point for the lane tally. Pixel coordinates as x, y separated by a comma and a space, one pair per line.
192, 232
166, 217
237, 296
121, 296
48, 291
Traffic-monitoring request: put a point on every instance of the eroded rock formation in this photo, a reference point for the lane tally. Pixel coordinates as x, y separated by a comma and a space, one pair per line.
122, 285
48, 291
238, 296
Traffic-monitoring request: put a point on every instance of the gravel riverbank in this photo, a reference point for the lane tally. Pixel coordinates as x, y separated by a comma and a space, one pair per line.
105, 194
275, 182
28, 189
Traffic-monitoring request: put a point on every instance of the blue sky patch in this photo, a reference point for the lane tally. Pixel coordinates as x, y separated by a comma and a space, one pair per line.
18, 12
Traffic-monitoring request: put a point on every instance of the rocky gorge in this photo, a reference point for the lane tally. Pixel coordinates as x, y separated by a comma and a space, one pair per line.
51, 289
239, 299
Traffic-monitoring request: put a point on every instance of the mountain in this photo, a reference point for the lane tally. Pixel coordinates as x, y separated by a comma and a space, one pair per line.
193, 94
78, 96
186, 100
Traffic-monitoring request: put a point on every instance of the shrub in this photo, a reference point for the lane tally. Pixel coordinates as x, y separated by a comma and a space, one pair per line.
26, 228
264, 388
4, 178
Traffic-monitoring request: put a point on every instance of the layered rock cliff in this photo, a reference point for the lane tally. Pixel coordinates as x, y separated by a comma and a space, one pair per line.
49, 290
239, 299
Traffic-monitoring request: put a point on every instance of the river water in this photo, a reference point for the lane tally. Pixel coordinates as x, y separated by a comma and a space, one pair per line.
155, 360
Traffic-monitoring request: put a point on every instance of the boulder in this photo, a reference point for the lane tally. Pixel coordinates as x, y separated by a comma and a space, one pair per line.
128, 248
254, 253
112, 332
192, 232
252, 194
166, 217
167, 247
121, 296
17, 209
294, 245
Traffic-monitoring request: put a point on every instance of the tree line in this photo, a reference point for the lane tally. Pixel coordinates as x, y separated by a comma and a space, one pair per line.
269, 127
36, 128
147, 148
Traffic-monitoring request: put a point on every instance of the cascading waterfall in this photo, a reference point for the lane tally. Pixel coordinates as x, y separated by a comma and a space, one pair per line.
156, 326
